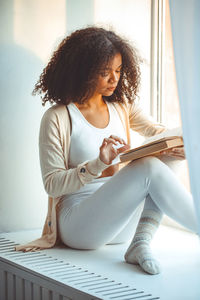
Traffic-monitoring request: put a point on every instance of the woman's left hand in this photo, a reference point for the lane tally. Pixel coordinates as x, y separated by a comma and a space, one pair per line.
177, 152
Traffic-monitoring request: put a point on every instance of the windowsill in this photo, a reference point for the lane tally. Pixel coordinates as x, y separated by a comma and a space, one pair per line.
177, 250
171, 223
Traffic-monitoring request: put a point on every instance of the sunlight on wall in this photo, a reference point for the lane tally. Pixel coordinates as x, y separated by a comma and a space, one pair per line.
31, 30
38, 24
131, 19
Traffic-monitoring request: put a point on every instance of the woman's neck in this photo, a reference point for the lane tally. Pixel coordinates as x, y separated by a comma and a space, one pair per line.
94, 103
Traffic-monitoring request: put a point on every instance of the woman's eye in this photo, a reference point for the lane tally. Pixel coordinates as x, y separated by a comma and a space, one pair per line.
104, 74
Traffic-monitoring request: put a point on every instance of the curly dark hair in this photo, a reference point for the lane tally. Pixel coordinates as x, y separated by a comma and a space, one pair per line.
72, 72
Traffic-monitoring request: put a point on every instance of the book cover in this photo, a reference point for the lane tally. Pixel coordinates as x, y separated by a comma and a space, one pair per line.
152, 148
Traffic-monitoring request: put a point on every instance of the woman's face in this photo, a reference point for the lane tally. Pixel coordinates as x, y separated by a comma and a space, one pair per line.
109, 77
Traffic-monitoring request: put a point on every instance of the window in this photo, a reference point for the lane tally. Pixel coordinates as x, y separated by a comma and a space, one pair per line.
167, 102
147, 24
170, 102
131, 19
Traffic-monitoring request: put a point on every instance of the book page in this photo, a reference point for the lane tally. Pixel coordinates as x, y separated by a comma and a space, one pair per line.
169, 132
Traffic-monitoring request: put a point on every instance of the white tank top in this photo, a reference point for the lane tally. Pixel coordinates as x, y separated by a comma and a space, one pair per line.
86, 139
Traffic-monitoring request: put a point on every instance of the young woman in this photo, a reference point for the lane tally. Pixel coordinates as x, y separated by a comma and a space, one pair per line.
93, 79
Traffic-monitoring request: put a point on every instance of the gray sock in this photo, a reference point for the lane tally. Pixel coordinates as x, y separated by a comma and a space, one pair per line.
139, 251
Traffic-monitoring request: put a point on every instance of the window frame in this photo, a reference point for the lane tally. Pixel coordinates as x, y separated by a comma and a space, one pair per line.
157, 49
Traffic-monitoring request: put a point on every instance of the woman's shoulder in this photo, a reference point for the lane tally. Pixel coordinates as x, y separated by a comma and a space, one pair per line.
57, 112
55, 121
124, 106
129, 107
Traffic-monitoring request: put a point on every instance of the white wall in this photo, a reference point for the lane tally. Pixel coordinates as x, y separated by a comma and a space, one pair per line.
29, 32
80, 13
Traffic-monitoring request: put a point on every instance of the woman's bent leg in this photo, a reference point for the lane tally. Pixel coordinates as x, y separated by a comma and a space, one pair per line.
127, 233
96, 220
139, 251
99, 218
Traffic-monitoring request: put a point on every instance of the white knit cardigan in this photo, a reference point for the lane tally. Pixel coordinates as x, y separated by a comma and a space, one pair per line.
54, 144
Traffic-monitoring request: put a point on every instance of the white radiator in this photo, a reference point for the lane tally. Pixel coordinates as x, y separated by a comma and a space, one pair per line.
38, 276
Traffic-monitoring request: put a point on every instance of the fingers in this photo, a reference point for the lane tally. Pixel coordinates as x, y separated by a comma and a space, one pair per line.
107, 145
118, 139
178, 153
175, 152
117, 151
114, 140
122, 149
179, 150
110, 140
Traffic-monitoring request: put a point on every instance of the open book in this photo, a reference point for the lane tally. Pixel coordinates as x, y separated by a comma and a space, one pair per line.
159, 144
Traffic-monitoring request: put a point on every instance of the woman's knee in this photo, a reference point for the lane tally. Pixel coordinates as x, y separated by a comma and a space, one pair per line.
150, 165
155, 166
150, 161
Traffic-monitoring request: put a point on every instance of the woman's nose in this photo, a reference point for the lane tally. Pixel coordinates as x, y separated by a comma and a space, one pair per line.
114, 77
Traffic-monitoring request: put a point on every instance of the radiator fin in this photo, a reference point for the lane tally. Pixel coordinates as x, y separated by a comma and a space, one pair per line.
38, 276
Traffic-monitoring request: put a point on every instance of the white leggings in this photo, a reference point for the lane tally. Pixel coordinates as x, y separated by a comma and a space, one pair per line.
111, 213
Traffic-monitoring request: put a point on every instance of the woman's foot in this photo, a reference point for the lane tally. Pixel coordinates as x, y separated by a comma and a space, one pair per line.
141, 254
139, 251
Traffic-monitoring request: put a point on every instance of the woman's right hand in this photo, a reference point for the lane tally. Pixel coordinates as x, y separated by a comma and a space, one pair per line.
108, 153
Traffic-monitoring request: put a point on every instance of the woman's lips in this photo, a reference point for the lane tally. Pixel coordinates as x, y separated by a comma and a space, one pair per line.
111, 88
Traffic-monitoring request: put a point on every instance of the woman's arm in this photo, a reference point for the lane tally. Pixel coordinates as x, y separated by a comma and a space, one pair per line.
142, 123
146, 126
54, 142
178, 153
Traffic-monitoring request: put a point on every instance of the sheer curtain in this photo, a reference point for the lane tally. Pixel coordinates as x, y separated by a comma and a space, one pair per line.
185, 21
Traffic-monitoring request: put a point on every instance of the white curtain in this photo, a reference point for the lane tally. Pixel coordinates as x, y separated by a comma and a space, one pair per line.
185, 21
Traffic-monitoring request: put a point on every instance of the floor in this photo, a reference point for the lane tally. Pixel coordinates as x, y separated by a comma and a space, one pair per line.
178, 252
